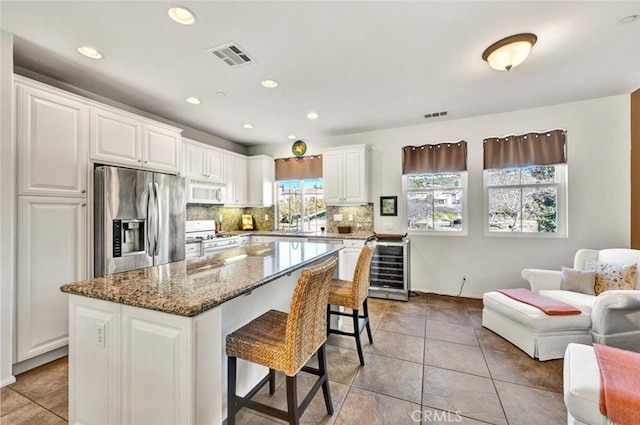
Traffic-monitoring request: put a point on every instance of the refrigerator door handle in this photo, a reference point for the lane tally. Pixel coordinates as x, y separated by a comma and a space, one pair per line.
148, 219
157, 218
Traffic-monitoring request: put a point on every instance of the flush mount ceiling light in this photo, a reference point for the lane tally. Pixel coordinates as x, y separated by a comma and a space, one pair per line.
248, 126
90, 52
182, 15
270, 84
194, 100
509, 52
312, 115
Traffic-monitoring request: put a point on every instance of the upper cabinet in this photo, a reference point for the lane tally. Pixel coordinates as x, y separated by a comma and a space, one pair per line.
52, 133
235, 177
345, 173
261, 177
125, 139
202, 162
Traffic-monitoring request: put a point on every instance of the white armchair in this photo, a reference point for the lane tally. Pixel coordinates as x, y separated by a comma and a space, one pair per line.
611, 318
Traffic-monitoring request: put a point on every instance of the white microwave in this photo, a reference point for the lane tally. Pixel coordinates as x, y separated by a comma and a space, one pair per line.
205, 192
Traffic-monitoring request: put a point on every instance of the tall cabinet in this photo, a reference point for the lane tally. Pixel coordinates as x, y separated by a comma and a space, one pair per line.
52, 137
345, 173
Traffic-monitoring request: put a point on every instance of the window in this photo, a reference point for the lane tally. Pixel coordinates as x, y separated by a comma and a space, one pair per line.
435, 202
526, 200
300, 205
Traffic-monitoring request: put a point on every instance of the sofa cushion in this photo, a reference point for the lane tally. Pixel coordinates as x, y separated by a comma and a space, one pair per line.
611, 276
580, 301
578, 281
582, 384
532, 317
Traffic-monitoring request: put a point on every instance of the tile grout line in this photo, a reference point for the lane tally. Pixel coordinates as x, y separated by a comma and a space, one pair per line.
38, 404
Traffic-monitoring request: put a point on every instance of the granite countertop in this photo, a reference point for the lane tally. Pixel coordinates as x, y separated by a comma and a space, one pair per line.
313, 235
190, 287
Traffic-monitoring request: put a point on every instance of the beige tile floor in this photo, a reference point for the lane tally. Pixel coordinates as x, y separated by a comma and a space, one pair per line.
431, 363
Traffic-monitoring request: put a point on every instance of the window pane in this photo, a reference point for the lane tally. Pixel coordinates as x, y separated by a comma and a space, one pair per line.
289, 204
315, 212
419, 211
447, 214
539, 175
447, 180
539, 213
504, 210
507, 176
419, 181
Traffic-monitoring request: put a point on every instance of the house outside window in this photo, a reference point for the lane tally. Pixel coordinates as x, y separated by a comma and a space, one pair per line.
300, 205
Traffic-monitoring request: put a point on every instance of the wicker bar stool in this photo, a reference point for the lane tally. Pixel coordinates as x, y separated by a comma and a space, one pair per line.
285, 342
353, 294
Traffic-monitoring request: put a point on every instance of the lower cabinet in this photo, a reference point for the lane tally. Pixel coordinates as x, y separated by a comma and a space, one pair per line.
52, 251
349, 258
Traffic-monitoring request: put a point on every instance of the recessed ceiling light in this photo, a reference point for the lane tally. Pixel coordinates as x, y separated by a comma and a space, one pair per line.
221, 94
90, 52
182, 15
312, 115
292, 136
247, 126
269, 83
627, 19
194, 100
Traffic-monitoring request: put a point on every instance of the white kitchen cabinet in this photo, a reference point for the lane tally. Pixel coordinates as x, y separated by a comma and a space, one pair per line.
235, 178
261, 178
52, 251
345, 173
202, 162
348, 258
125, 139
52, 133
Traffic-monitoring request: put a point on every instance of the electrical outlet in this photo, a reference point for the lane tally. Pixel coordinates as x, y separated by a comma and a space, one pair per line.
337, 217
350, 217
101, 334
388, 226
266, 217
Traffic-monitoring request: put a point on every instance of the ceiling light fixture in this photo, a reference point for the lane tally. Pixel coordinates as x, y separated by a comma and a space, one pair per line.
509, 52
270, 84
292, 136
627, 19
194, 100
248, 126
90, 52
182, 15
312, 115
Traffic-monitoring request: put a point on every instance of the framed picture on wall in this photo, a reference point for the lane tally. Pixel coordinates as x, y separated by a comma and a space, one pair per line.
389, 205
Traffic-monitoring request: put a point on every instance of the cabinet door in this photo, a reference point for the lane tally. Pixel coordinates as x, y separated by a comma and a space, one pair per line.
348, 260
260, 180
115, 138
156, 368
195, 161
241, 180
354, 176
52, 251
214, 166
332, 175
161, 149
52, 136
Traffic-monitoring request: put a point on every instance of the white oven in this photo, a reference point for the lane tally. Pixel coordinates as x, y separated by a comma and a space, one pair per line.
205, 192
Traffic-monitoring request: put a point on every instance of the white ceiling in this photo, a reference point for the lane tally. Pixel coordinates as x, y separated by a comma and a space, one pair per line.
361, 65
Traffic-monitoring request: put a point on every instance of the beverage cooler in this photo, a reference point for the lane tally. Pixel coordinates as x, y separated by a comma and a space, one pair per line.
389, 275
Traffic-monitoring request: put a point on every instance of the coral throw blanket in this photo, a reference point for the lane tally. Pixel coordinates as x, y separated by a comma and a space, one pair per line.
547, 305
619, 384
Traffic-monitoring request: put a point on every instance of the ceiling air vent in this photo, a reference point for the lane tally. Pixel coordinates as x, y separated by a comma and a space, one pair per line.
436, 114
232, 54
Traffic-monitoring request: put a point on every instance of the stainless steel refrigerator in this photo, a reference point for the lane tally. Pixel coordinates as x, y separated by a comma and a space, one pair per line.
139, 219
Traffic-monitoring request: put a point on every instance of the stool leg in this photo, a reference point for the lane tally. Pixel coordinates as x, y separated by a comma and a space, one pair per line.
231, 390
322, 366
365, 307
356, 333
292, 400
272, 381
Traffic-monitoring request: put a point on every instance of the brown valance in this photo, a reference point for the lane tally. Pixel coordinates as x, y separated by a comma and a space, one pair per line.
544, 148
440, 158
299, 168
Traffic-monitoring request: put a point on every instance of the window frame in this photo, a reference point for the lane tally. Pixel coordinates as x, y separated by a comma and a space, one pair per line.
464, 188
561, 173
276, 215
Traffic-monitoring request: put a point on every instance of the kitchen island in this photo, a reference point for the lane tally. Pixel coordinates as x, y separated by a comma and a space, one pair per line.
148, 346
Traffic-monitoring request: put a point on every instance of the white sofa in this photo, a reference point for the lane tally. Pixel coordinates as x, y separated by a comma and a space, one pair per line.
581, 386
611, 318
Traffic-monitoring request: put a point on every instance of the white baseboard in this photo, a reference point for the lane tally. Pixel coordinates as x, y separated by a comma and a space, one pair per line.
7, 381
34, 362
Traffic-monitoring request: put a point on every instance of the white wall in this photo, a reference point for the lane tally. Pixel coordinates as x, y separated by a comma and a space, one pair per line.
7, 207
598, 142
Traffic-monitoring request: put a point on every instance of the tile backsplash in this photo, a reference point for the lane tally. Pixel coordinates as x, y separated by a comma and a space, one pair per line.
362, 218
232, 216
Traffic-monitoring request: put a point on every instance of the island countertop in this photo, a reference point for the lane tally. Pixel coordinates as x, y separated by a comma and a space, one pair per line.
190, 287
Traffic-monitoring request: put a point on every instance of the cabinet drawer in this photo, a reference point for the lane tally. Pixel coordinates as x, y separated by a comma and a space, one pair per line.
353, 243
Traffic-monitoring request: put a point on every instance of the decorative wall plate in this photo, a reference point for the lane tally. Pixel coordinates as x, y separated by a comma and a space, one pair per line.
299, 148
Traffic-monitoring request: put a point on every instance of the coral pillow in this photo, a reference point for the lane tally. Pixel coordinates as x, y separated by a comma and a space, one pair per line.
578, 281
612, 276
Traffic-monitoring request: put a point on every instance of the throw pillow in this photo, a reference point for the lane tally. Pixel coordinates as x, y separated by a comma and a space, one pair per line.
578, 281
612, 276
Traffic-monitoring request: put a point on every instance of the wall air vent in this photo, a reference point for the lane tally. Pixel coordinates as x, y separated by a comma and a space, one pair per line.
436, 114
232, 54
